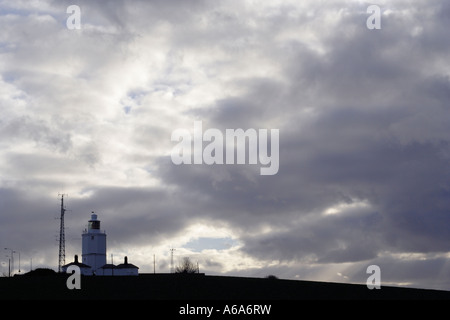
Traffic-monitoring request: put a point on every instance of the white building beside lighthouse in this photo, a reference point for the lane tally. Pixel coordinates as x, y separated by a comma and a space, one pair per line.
94, 245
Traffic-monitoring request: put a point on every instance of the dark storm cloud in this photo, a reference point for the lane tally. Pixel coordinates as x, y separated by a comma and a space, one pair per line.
359, 141
327, 241
29, 226
135, 212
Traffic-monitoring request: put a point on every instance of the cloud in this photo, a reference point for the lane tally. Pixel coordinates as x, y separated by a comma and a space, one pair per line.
362, 114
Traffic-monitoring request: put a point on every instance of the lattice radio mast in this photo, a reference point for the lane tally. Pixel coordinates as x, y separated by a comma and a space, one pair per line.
62, 238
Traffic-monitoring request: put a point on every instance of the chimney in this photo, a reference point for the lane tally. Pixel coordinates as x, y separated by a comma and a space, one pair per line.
76, 258
126, 260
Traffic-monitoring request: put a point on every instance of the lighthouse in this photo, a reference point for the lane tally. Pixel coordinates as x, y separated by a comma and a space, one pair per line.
94, 254
94, 245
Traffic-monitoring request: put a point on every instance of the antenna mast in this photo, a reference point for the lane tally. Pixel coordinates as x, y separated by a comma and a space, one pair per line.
62, 238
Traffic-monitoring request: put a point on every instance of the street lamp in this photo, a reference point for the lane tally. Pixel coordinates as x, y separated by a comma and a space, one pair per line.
19, 259
9, 265
12, 261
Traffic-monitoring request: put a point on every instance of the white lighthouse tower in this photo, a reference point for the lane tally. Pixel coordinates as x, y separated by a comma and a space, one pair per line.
94, 245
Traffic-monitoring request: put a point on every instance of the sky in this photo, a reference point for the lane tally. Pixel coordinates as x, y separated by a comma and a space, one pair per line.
364, 135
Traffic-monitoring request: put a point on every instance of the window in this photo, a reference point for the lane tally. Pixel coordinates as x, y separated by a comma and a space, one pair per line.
94, 224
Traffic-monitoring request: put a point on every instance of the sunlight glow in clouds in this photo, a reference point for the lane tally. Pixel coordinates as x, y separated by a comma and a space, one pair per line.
344, 207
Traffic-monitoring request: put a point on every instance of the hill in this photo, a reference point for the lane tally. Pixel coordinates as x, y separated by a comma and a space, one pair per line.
199, 287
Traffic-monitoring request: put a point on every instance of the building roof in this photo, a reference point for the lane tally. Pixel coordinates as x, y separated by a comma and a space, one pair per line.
126, 265
76, 263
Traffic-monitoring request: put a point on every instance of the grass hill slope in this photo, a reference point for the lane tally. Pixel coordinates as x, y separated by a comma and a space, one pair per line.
198, 287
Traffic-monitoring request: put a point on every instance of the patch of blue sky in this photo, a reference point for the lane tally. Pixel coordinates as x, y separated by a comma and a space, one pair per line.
204, 243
